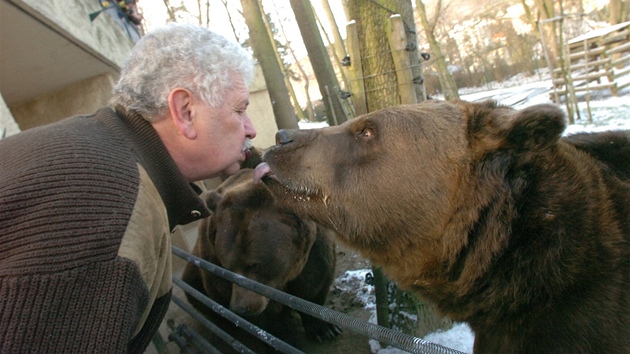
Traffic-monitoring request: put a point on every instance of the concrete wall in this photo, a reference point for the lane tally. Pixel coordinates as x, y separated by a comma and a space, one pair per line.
97, 36
260, 111
79, 98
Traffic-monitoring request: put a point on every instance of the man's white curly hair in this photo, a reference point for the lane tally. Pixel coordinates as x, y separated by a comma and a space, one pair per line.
179, 55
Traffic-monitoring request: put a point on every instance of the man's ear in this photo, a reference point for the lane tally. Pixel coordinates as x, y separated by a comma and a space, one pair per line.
180, 104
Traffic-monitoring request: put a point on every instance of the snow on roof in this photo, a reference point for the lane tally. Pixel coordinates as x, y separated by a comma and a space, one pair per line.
599, 32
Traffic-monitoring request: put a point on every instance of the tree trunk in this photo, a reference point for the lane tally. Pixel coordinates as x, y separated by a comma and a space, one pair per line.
548, 28
207, 13
263, 51
405, 9
169, 10
199, 12
333, 52
340, 49
449, 89
309, 104
379, 73
616, 14
287, 80
320, 61
227, 10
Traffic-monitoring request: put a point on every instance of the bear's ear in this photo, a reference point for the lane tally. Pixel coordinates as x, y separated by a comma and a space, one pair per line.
259, 196
212, 200
494, 127
536, 127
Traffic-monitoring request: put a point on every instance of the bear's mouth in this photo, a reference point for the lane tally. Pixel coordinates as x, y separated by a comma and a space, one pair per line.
263, 172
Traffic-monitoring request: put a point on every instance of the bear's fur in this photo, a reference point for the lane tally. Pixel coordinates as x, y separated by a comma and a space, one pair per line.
482, 209
248, 234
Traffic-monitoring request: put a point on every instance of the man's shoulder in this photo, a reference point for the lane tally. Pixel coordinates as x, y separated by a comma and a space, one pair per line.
79, 149
67, 130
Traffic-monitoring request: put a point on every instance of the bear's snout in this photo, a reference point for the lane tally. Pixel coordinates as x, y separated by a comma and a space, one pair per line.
247, 303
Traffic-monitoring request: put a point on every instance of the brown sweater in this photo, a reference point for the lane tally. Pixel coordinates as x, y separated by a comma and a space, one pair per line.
87, 206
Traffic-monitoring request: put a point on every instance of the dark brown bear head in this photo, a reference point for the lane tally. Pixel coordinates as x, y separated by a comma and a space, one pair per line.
252, 236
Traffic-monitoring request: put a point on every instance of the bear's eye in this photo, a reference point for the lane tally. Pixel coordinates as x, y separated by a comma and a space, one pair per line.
367, 132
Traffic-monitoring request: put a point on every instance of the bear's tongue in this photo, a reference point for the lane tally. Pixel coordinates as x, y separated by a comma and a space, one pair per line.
261, 171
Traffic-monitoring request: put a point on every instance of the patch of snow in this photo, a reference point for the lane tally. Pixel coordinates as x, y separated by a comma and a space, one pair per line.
459, 337
312, 125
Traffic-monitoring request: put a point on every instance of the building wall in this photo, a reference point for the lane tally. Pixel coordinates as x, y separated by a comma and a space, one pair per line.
97, 36
79, 98
260, 112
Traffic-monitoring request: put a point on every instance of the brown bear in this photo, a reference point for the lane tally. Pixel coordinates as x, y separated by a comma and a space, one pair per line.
249, 234
484, 210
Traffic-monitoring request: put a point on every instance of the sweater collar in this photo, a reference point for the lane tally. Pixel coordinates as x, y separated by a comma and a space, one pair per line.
181, 198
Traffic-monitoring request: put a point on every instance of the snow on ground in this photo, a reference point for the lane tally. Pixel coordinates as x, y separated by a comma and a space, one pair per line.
459, 337
608, 113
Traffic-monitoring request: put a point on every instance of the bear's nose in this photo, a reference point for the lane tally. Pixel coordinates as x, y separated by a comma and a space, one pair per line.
284, 136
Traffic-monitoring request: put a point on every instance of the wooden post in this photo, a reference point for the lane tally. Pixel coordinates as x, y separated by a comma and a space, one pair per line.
565, 62
548, 60
382, 303
333, 118
586, 71
356, 70
398, 43
339, 51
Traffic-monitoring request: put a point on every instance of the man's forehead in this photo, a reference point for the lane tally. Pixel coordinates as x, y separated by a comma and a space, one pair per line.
238, 97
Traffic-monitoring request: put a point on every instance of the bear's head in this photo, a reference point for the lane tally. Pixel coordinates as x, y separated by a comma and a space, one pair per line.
400, 176
252, 236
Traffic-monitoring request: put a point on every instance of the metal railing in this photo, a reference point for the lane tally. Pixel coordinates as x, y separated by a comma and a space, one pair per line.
382, 334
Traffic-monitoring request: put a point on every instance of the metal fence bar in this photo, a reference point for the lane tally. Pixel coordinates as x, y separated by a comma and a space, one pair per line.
234, 318
182, 334
238, 346
382, 334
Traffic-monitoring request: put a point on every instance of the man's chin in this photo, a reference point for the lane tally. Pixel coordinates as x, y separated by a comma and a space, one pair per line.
232, 169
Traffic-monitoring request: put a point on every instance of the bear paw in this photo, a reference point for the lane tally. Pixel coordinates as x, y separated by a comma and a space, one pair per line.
322, 331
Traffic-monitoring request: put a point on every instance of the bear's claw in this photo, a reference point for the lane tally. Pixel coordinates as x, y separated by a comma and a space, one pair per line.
324, 333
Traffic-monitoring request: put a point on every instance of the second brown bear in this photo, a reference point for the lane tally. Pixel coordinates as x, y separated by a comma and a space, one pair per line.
249, 234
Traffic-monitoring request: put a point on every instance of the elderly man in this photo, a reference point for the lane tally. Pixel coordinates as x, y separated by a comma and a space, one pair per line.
87, 205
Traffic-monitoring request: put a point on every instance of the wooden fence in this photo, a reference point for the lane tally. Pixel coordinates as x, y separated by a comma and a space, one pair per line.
595, 61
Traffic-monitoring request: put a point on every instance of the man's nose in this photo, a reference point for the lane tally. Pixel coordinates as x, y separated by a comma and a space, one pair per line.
250, 131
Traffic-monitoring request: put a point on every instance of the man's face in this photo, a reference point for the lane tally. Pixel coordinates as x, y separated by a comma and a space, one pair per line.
224, 131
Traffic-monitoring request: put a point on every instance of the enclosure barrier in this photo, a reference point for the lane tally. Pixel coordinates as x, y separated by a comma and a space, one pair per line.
382, 334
